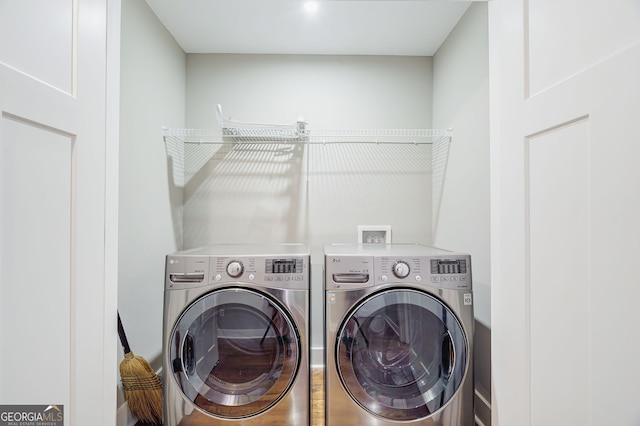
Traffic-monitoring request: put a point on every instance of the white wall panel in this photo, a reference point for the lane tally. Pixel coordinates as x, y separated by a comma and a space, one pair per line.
57, 292
35, 310
616, 240
38, 40
565, 37
565, 210
559, 281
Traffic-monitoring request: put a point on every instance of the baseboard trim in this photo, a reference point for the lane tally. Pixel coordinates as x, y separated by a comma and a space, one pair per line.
482, 409
124, 416
478, 421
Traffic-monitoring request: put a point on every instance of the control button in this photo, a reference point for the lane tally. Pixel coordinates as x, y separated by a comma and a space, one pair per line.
218, 277
418, 278
235, 269
384, 278
252, 277
401, 269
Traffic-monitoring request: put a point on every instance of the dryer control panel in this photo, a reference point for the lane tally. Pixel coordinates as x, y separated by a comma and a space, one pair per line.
290, 272
444, 272
281, 272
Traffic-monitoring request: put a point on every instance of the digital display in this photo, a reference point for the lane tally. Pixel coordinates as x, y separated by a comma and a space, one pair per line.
448, 266
284, 266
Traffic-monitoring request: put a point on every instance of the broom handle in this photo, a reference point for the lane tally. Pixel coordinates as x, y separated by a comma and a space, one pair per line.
123, 337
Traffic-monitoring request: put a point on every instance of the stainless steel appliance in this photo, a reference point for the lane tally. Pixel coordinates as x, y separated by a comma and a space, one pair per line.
399, 336
236, 327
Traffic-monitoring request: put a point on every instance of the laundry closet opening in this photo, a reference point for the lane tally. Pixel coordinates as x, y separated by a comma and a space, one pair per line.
315, 193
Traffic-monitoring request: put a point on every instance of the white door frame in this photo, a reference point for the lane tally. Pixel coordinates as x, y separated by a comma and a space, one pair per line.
59, 94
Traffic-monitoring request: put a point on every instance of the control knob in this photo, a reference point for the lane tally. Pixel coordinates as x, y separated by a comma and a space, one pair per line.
235, 269
401, 269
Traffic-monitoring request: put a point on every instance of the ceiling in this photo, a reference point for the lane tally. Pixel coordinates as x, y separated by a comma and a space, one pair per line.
338, 27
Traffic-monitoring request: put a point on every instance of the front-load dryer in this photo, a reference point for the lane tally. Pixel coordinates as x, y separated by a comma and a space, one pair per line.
398, 328
235, 336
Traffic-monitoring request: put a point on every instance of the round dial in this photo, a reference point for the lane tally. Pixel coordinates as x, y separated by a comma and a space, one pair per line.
235, 268
401, 269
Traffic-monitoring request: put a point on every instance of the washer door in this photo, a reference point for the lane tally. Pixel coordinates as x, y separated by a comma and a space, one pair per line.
401, 354
235, 352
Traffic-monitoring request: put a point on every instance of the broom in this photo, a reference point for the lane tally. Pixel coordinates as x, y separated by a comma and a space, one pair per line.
142, 386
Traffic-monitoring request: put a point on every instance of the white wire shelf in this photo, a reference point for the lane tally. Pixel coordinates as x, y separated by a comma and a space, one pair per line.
378, 136
301, 134
237, 157
234, 131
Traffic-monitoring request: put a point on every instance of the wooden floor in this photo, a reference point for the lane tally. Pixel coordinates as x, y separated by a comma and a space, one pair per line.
317, 398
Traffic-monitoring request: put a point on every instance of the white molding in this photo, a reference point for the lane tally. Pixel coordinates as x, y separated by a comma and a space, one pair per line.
124, 417
486, 403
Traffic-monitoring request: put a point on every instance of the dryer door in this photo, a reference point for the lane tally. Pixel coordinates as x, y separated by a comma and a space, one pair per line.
401, 354
235, 352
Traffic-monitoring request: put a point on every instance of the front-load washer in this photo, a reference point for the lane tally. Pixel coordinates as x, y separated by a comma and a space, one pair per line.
235, 336
398, 336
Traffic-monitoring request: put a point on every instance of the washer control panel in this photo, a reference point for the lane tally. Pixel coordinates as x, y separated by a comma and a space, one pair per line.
349, 272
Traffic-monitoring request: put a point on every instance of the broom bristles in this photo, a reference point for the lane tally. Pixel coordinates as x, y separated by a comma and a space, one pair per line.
142, 388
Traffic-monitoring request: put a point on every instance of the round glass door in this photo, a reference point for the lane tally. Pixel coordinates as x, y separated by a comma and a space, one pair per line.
234, 352
401, 354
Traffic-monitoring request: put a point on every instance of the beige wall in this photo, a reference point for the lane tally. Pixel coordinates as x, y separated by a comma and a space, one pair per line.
152, 95
461, 101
